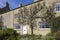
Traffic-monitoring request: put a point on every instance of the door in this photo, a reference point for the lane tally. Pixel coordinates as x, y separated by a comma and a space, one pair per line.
24, 29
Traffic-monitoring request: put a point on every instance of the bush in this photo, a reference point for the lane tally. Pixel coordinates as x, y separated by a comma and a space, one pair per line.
57, 35
30, 37
8, 34
49, 36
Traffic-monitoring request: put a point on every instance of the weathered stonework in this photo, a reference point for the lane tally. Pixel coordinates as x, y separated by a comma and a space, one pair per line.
9, 20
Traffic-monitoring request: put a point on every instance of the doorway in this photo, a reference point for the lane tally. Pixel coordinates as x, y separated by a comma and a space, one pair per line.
24, 29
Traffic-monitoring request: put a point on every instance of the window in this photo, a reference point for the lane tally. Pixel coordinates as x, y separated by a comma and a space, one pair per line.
3, 19
43, 25
16, 16
57, 7
4, 27
16, 26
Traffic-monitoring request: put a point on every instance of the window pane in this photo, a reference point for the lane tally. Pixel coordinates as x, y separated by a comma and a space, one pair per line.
16, 26
44, 25
57, 7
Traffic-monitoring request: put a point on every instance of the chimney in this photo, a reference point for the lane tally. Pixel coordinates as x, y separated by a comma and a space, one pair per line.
20, 4
7, 5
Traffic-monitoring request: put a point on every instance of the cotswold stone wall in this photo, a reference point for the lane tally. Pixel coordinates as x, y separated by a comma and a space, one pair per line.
28, 10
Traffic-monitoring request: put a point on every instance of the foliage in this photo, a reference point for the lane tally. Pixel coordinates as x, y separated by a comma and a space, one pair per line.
30, 37
49, 36
49, 17
57, 35
27, 15
8, 34
56, 24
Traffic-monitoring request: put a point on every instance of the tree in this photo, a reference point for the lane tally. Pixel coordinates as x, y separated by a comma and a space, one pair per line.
56, 24
49, 17
27, 15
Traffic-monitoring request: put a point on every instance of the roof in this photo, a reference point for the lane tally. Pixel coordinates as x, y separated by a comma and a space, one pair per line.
19, 7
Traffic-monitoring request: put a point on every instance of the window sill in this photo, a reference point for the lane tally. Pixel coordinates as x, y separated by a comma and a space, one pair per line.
44, 28
57, 11
17, 29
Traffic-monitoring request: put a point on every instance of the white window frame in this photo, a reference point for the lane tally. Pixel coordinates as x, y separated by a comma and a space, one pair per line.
57, 6
15, 27
41, 28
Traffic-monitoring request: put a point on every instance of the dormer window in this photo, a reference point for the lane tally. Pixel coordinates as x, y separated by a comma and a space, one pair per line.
57, 7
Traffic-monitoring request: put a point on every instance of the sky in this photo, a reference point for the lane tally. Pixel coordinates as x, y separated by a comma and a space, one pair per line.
14, 3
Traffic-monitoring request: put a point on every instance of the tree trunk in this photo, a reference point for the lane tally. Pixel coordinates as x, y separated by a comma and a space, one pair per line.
31, 29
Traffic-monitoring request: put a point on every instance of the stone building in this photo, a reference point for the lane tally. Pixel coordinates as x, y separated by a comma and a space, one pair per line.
10, 17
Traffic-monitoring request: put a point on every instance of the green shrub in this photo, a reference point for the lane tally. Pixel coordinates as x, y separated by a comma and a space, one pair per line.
49, 36
30, 37
9, 34
57, 35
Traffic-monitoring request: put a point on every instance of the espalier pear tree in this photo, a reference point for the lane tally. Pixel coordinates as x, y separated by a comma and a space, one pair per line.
50, 17
27, 15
